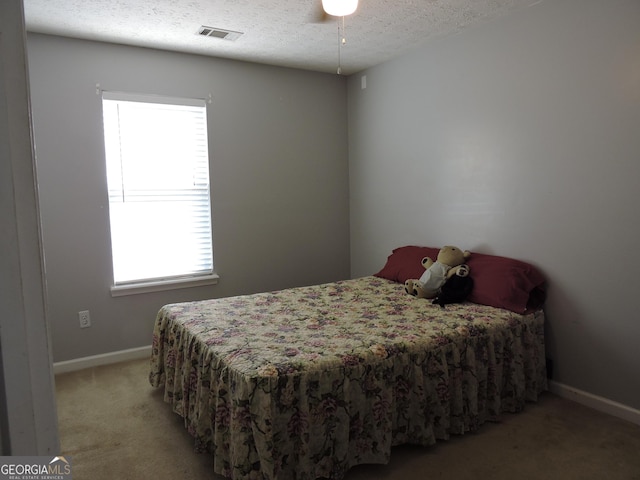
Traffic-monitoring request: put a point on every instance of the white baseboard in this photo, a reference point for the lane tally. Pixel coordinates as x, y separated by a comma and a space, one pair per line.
104, 359
594, 401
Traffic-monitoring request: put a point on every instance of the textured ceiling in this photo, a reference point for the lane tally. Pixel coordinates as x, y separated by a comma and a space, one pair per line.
278, 32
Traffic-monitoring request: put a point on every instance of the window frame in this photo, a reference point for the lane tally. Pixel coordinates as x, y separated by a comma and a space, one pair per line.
169, 282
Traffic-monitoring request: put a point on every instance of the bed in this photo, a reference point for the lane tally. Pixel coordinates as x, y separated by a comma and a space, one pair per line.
308, 382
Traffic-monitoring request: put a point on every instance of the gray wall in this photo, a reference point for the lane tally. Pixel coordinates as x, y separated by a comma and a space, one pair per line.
521, 138
279, 171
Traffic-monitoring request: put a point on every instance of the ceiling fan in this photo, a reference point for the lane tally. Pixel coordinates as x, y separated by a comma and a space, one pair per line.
335, 9
326, 10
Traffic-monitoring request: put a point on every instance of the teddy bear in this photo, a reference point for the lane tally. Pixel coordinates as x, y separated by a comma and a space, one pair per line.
449, 262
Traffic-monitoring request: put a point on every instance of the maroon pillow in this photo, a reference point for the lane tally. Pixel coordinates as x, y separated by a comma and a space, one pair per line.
498, 281
406, 262
506, 283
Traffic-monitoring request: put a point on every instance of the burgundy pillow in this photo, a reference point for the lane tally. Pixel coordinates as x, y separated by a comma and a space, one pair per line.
498, 281
506, 283
406, 262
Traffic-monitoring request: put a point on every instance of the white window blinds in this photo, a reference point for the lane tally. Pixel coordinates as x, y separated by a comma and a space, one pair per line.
158, 181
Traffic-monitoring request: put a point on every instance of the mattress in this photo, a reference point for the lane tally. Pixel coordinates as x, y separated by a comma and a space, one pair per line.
308, 382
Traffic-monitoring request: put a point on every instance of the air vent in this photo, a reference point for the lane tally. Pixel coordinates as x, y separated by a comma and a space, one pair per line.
219, 33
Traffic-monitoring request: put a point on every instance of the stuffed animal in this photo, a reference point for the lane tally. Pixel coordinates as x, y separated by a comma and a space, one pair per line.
450, 261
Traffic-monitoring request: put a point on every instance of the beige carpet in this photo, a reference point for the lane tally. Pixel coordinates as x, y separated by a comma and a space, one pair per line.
115, 426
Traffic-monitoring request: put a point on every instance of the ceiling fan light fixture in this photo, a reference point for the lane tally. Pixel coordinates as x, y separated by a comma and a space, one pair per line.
339, 8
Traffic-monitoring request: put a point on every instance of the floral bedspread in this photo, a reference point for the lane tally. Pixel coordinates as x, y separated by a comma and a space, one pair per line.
307, 382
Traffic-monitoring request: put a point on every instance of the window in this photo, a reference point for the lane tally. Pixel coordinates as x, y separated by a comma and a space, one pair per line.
159, 202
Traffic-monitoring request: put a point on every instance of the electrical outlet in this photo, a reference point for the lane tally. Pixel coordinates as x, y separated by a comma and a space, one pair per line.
85, 319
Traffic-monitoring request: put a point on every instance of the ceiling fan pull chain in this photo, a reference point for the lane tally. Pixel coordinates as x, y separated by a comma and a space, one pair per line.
339, 47
343, 40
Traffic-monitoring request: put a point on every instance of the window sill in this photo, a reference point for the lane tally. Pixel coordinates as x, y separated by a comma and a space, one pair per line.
162, 285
